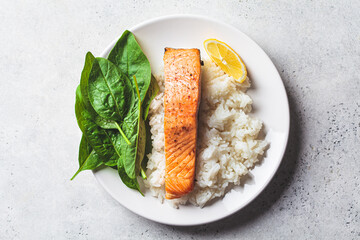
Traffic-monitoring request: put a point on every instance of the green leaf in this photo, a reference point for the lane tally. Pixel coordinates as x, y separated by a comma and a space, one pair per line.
129, 57
79, 105
148, 145
101, 140
150, 95
88, 159
129, 182
133, 154
110, 91
82, 92
105, 101
90, 63
84, 149
134, 128
141, 145
116, 139
101, 122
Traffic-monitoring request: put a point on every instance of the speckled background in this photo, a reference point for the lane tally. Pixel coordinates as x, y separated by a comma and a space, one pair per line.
314, 44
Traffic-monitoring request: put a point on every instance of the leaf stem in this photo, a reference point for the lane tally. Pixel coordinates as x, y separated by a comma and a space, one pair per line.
75, 174
143, 174
137, 88
122, 133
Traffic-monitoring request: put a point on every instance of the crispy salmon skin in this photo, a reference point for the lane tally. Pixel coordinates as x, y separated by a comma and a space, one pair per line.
181, 103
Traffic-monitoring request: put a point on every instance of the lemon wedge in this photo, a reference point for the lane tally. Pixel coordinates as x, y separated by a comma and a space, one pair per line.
226, 58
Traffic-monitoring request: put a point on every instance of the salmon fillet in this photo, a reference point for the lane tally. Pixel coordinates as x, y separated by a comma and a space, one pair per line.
181, 104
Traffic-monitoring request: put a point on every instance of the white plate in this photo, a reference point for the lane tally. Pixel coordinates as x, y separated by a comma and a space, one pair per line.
270, 105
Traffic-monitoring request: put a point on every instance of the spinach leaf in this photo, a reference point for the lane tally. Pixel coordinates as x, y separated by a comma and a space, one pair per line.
129, 57
140, 151
132, 154
88, 159
148, 145
88, 72
79, 105
85, 74
107, 99
83, 93
101, 122
129, 182
116, 140
150, 95
106, 124
134, 129
101, 140
110, 91
84, 149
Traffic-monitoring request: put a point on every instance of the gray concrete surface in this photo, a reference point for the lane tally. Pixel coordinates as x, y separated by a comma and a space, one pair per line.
314, 44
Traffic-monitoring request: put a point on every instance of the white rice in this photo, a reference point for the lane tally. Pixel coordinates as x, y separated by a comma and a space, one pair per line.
227, 140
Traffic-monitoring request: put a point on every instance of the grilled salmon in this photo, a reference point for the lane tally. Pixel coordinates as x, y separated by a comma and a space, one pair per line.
181, 103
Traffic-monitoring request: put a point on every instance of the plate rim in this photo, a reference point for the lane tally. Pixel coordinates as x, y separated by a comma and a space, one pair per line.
253, 197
